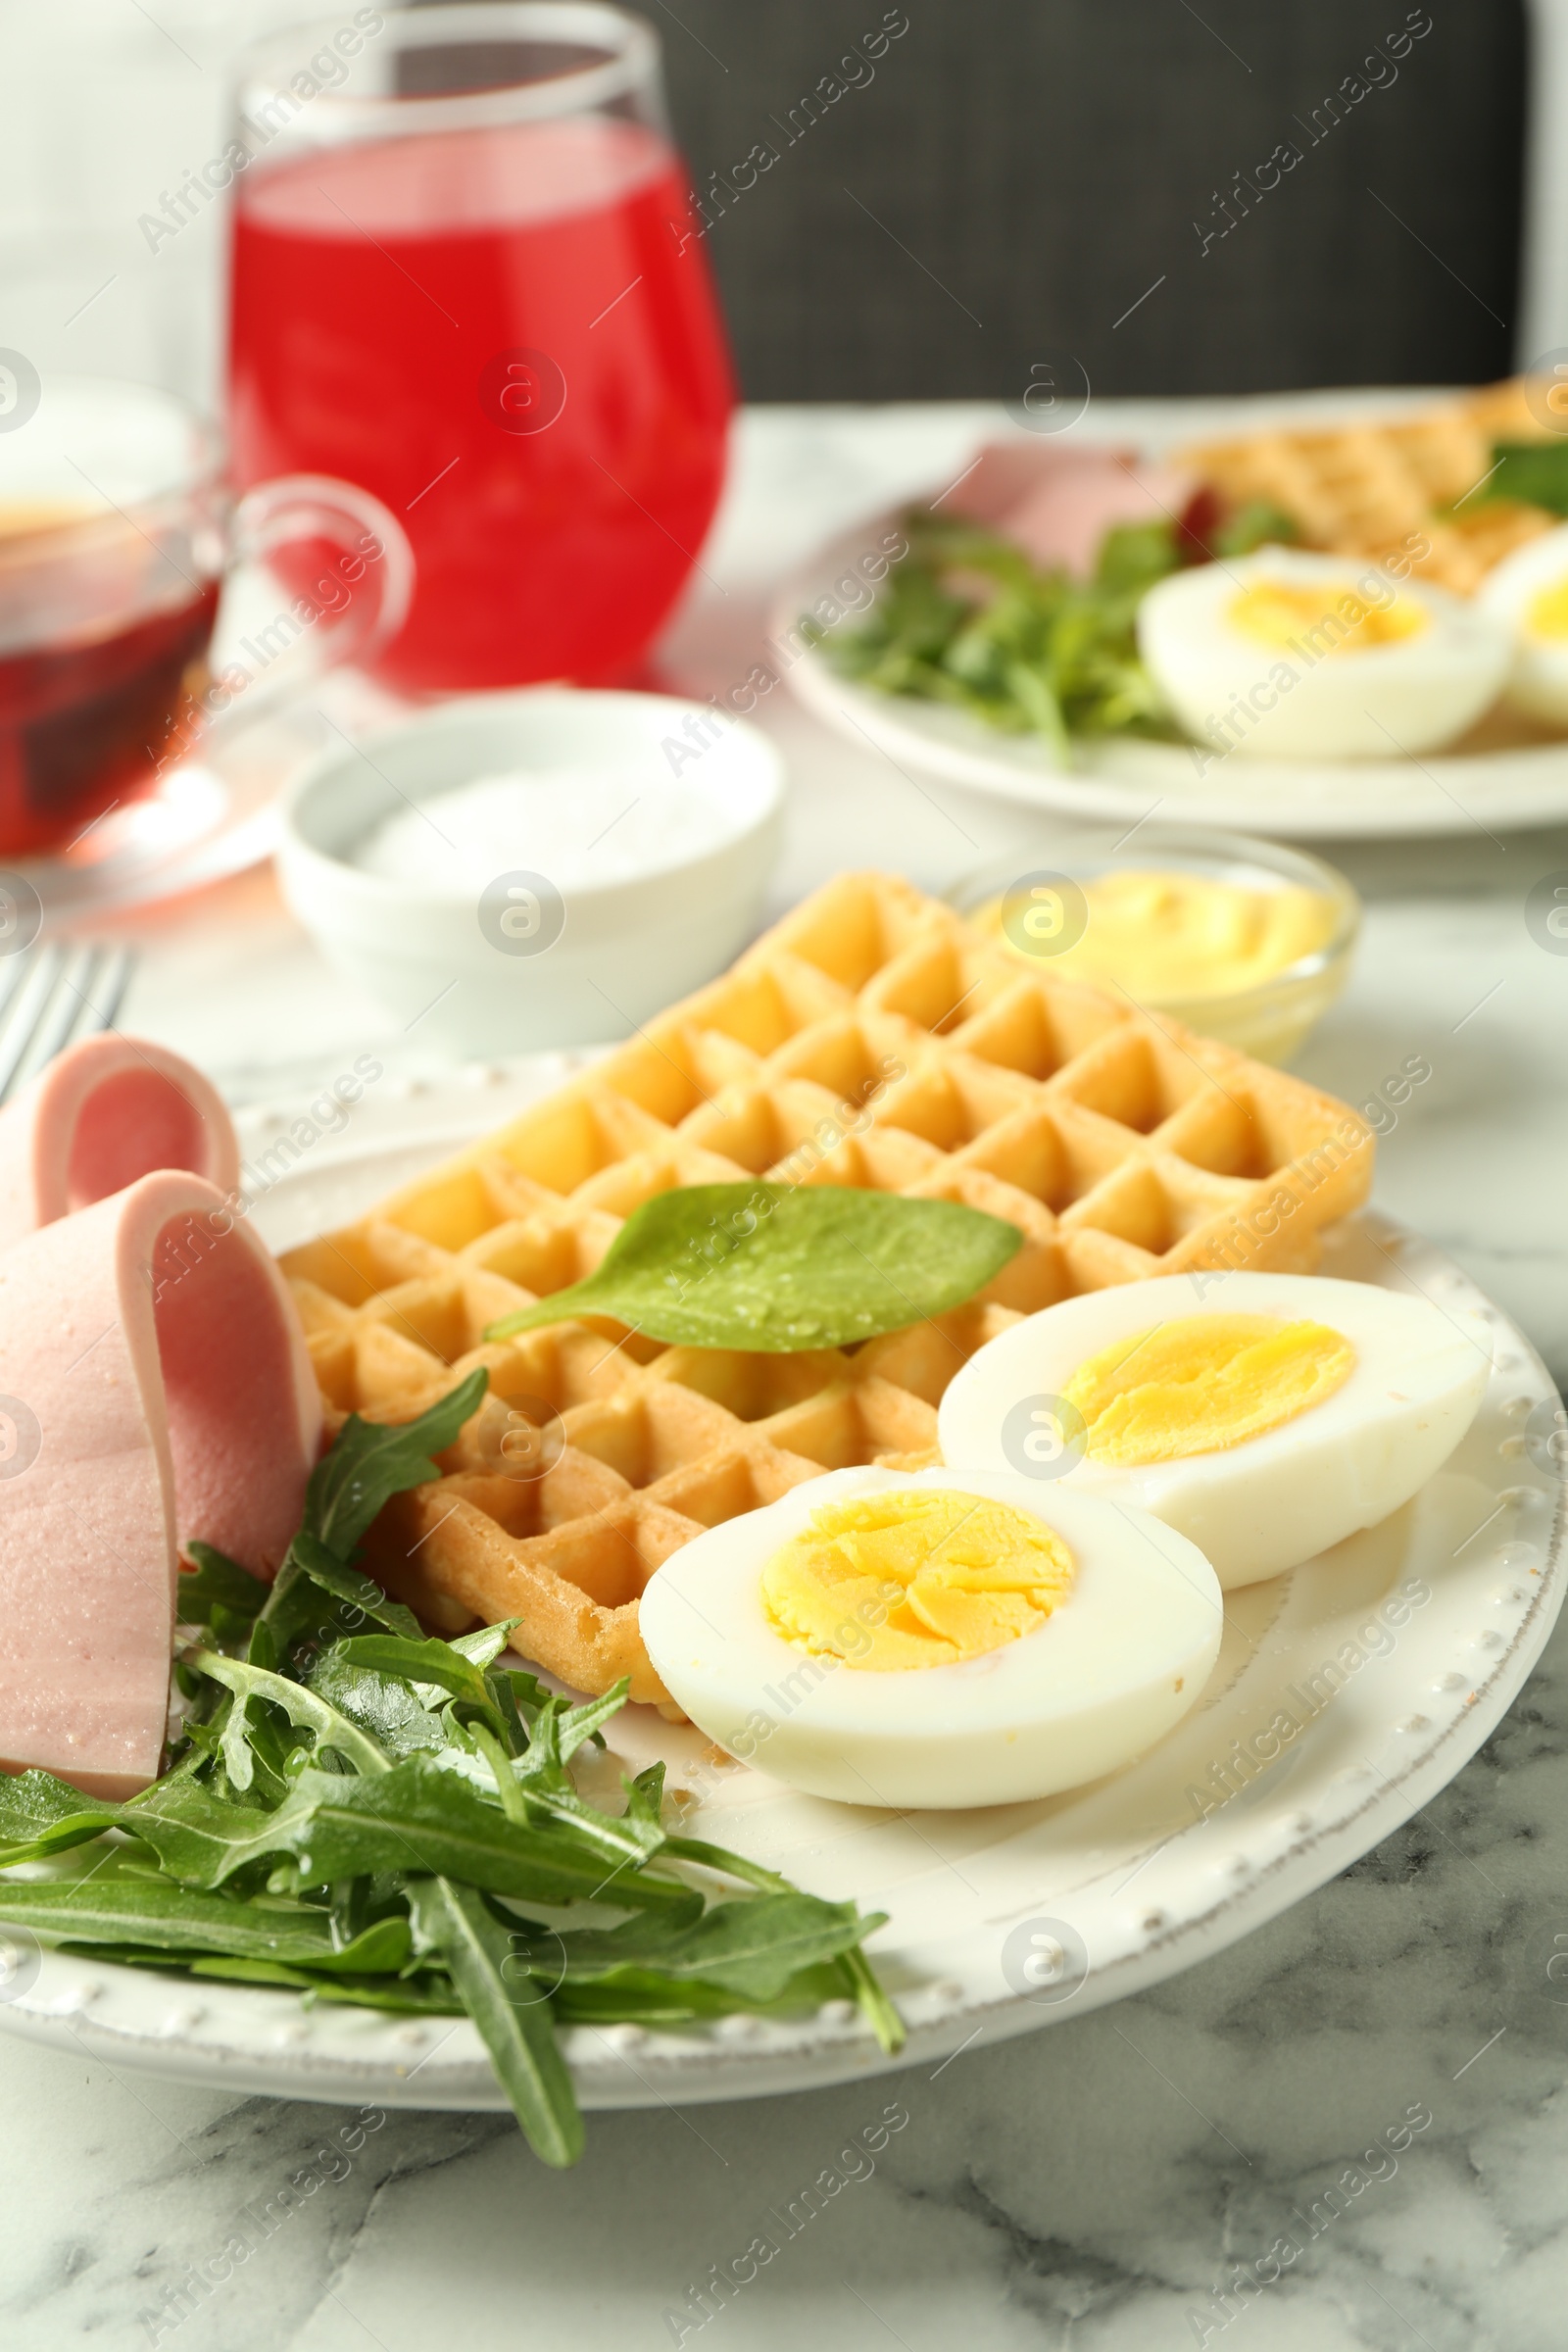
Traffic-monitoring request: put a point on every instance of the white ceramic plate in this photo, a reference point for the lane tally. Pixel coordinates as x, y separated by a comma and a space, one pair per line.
1126, 780
998, 1920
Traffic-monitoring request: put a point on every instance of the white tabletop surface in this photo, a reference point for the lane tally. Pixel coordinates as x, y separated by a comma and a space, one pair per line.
1091, 2187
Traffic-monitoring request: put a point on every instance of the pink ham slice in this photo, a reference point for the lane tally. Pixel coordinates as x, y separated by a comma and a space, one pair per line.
1056, 502
103, 1113
154, 1388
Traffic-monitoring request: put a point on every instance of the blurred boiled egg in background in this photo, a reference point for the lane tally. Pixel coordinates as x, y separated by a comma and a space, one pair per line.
934, 1639
1265, 1416
1289, 655
1527, 594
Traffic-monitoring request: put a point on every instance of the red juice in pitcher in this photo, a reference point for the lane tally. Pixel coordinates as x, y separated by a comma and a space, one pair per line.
508, 333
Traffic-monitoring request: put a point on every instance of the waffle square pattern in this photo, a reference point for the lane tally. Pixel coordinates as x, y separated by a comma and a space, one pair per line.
872, 1039
1385, 490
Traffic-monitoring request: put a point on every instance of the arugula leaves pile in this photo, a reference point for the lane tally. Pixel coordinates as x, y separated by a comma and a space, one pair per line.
966, 619
378, 1817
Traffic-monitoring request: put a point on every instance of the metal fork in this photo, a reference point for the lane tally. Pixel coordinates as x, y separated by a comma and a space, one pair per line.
50, 995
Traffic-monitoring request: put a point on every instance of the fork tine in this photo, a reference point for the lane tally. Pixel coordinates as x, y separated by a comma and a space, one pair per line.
16, 972
121, 964
43, 999
73, 997
32, 1001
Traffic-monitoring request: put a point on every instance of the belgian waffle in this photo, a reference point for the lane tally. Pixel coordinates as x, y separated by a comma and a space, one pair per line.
1375, 489
871, 1039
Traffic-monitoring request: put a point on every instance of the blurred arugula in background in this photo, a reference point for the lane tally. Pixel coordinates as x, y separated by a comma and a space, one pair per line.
966, 619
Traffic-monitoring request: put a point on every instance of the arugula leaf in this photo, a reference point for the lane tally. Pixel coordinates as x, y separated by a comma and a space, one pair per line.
329, 1976
966, 619
486, 1643
384, 1707
119, 1907
302, 1708
362, 1597
777, 1268
199, 1837
517, 2024
1253, 524
318, 1599
40, 1815
424, 1995
641, 1996
418, 1817
581, 1723
218, 1592
752, 1949
438, 1663
380, 1949
733, 1866
865, 1989
351, 1814
409, 1995
373, 1460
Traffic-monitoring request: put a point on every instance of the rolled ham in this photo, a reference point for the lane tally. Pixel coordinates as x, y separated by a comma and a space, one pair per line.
154, 1390
104, 1112
1057, 500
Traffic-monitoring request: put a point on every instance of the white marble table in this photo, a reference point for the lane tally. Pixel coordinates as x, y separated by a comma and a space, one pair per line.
1093, 2186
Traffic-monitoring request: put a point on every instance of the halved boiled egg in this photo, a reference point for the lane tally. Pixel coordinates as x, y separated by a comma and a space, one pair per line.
1265, 1416
1527, 594
934, 1638
1289, 655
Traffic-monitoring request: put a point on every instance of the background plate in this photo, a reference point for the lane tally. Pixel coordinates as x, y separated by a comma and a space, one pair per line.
1005, 1919
1126, 779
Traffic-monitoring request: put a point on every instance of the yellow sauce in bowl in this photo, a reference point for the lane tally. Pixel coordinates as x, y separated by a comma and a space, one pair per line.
1176, 937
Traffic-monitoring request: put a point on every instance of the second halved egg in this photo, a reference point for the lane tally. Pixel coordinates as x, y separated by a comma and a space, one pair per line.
1528, 595
1291, 655
1266, 1416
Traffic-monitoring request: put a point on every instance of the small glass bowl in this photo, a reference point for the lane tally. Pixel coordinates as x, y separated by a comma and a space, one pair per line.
1269, 1020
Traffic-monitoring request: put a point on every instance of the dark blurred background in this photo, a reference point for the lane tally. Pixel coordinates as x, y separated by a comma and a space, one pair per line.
1009, 175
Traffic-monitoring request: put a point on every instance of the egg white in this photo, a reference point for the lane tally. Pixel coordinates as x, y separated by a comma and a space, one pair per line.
1274, 1500
1118, 1661
1272, 702
1539, 680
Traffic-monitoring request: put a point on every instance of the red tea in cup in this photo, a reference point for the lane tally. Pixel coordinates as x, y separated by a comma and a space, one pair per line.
116, 534
84, 722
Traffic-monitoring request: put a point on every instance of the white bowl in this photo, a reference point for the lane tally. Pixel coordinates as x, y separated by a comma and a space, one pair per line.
580, 961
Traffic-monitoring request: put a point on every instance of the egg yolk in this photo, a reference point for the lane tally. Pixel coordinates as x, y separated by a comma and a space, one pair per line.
1203, 1383
1332, 619
924, 1578
1546, 614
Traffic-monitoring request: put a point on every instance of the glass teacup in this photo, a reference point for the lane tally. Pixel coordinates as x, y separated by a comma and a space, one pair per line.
116, 533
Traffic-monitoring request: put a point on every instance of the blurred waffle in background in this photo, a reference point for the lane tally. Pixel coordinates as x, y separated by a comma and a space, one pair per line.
1379, 489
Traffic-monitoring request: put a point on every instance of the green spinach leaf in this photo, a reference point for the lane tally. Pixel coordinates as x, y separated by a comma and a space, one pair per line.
778, 1268
1536, 472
